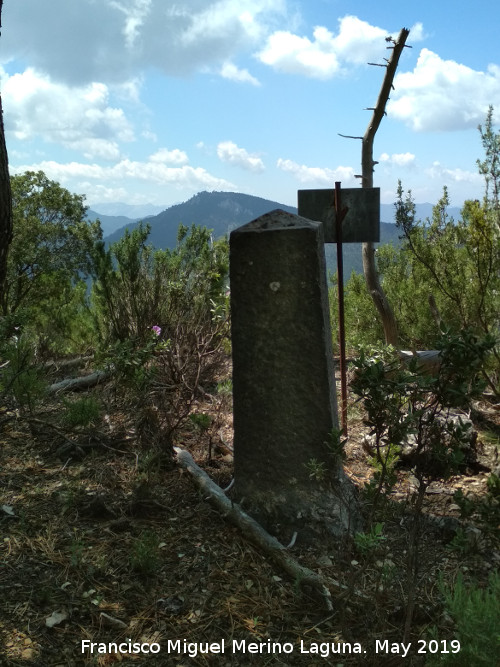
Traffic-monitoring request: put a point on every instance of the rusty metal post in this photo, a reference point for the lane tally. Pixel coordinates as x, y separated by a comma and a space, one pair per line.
339, 217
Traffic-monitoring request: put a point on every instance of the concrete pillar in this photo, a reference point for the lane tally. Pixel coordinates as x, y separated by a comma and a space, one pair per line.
284, 398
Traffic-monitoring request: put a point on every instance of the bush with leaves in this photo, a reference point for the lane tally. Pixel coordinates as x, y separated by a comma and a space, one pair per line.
81, 412
362, 323
48, 259
455, 263
137, 287
476, 615
163, 316
404, 404
409, 414
21, 380
485, 508
445, 271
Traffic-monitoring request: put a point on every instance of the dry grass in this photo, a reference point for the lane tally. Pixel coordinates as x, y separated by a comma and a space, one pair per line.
126, 549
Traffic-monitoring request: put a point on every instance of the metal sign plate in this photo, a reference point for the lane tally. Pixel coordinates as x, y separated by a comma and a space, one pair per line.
362, 221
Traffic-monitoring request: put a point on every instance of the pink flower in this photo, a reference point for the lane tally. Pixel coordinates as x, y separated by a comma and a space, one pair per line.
156, 330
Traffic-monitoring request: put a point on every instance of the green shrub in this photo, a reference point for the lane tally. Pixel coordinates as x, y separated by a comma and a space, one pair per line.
145, 554
366, 543
404, 404
20, 378
82, 412
476, 613
486, 508
200, 421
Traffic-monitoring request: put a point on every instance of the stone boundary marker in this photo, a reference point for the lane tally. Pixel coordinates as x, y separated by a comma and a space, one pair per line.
284, 400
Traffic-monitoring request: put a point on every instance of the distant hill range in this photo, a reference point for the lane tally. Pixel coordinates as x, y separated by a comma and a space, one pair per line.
224, 211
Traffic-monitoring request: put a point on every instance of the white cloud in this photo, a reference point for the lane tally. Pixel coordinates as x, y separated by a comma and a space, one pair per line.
135, 13
326, 54
358, 41
112, 40
318, 175
233, 73
156, 173
445, 175
398, 159
228, 151
441, 95
130, 90
164, 156
149, 135
78, 118
101, 193
299, 55
417, 33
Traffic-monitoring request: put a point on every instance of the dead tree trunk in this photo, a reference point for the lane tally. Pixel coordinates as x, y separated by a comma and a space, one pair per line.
5, 205
367, 164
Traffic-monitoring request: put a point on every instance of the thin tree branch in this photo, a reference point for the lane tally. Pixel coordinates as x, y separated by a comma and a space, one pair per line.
347, 136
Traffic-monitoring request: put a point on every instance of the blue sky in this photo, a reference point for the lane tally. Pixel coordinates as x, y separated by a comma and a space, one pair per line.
141, 101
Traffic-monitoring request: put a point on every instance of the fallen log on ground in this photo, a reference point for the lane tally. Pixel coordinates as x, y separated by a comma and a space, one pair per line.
256, 533
428, 361
55, 364
75, 384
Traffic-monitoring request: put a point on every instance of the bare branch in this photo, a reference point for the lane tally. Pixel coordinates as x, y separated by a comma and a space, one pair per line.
348, 136
254, 532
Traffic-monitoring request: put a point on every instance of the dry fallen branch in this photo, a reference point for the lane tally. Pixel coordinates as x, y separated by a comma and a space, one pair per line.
55, 364
254, 531
428, 361
73, 384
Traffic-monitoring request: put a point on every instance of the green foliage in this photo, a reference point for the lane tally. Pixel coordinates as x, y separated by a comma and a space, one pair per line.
490, 168
476, 613
407, 286
336, 445
362, 323
163, 318
384, 477
317, 469
463, 542
65, 325
131, 361
451, 267
366, 543
225, 387
486, 507
77, 552
384, 385
200, 420
456, 261
444, 272
49, 255
20, 378
138, 287
82, 412
405, 404
462, 358
145, 557
50, 236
